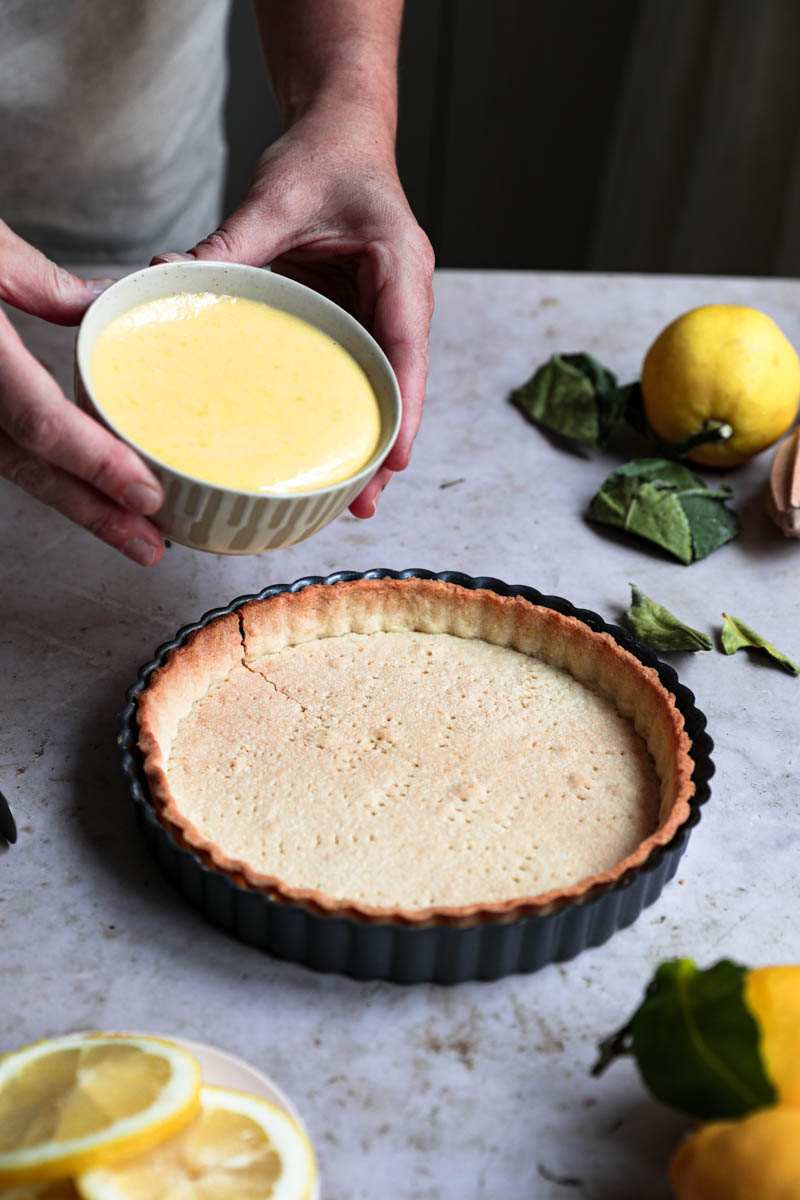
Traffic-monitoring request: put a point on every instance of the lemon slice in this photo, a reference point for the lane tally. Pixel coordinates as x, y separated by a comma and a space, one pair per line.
76, 1102
239, 1147
63, 1190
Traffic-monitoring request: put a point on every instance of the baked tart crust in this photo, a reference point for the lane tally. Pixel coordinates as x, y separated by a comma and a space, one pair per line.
302, 653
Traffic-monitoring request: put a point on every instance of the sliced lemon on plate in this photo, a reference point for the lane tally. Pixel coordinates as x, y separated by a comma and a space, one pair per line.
76, 1102
239, 1147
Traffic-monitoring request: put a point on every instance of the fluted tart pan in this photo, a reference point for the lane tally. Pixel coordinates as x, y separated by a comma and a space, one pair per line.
443, 942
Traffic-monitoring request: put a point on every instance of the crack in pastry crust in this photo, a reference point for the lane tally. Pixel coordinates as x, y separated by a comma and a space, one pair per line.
405, 808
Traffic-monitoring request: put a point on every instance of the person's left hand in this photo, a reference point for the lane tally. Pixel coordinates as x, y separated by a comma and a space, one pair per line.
325, 207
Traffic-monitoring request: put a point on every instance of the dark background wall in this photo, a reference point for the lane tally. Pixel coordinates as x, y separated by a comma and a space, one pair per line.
494, 125
477, 160
648, 135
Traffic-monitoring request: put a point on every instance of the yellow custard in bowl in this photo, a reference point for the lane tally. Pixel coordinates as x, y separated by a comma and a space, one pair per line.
262, 407
235, 392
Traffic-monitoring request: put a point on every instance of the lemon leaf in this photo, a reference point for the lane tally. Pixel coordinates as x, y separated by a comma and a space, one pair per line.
634, 414
659, 628
695, 1041
738, 636
575, 396
666, 503
712, 523
656, 514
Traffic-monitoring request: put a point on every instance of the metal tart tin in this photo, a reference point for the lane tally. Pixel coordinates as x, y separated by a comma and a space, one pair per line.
393, 950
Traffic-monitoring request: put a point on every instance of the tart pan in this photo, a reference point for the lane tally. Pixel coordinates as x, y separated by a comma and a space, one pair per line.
392, 950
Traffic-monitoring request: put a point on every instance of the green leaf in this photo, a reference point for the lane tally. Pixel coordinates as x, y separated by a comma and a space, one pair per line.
601, 379
712, 523
662, 471
575, 396
695, 1042
659, 628
634, 410
738, 636
666, 503
655, 513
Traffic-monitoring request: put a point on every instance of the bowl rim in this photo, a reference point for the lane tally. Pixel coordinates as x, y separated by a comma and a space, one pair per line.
291, 285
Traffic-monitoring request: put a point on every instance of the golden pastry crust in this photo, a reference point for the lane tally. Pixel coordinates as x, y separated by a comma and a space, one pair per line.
208, 657
262, 629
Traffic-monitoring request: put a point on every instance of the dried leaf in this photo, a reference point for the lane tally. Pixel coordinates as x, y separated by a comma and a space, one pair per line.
575, 396
666, 503
659, 628
738, 636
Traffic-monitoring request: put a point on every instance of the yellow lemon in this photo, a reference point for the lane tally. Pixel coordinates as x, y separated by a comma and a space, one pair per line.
75, 1102
238, 1147
725, 365
756, 1158
772, 994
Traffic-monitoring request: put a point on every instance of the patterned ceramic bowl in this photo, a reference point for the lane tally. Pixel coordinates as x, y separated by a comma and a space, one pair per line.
204, 515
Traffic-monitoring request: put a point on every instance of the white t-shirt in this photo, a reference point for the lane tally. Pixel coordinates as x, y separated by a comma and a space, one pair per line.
111, 136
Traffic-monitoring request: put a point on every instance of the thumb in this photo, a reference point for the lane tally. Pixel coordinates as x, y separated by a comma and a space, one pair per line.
36, 285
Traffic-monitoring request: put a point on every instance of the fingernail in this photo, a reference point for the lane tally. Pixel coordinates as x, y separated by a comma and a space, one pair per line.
170, 256
98, 286
141, 498
142, 552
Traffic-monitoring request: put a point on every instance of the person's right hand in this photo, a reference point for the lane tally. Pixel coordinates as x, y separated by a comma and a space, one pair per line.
48, 446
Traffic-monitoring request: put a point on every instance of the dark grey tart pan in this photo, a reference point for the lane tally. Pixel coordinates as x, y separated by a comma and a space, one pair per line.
392, 950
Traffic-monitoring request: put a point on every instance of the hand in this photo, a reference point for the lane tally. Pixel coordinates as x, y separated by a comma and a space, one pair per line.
48, 446
325, 207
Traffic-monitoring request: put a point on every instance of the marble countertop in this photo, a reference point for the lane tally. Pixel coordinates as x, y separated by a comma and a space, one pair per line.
480, 1091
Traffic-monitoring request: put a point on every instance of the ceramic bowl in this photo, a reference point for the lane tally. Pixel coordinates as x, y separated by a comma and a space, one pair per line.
219, 519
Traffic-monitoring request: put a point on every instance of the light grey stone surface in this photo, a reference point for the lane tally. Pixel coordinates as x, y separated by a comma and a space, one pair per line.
479, 1092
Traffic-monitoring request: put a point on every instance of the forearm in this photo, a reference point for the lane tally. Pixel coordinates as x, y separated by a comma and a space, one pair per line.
325, 205
334, 55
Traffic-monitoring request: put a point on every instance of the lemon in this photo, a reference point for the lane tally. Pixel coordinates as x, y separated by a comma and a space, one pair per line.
75, 1102
726, 365
755, 1158
238, 1147
772, 994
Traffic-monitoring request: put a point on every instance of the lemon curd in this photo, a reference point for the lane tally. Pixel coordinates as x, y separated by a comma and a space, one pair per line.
236, 393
